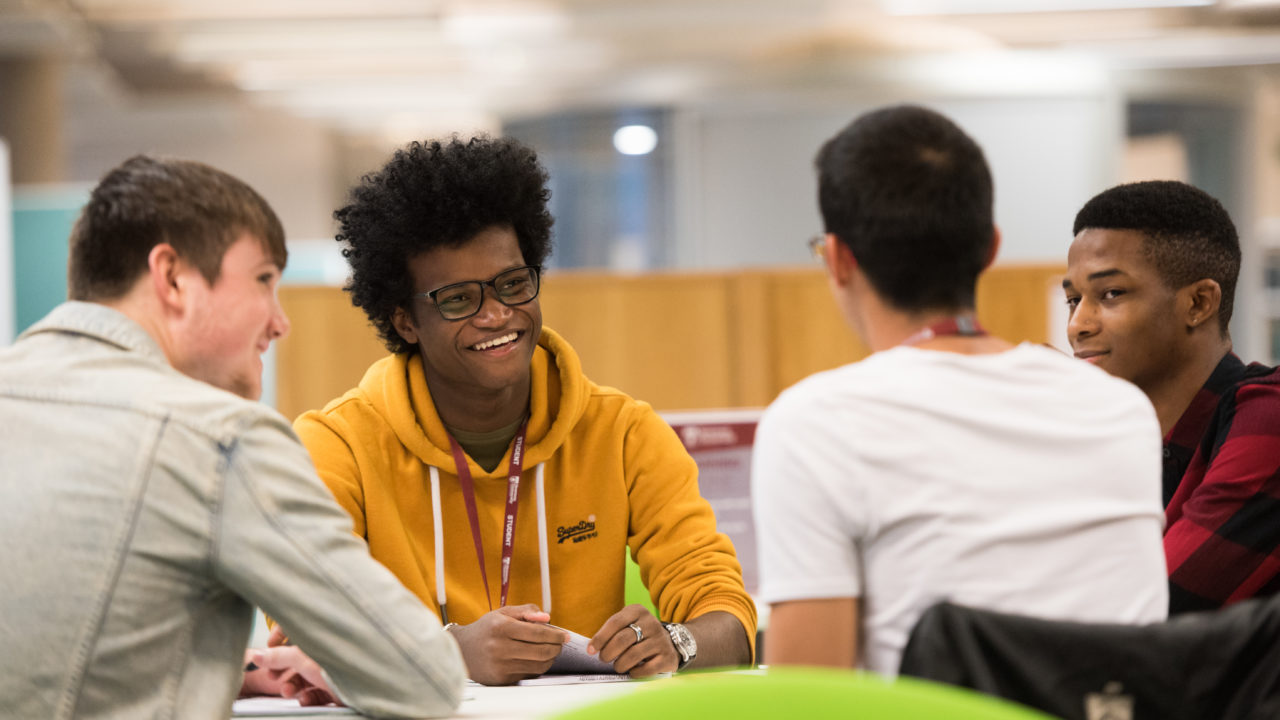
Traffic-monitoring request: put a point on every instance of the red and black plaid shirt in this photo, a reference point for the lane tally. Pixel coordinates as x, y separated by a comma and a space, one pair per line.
1222, 490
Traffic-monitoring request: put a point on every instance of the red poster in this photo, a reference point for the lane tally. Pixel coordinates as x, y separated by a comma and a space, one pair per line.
720, 442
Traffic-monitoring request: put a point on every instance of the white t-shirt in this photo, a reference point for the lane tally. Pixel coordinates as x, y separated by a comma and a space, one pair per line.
1023, 481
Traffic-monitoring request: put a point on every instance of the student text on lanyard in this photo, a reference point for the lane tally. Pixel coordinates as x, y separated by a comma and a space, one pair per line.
513, 504
962, 325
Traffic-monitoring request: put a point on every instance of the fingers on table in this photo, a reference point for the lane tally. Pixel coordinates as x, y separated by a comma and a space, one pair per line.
314, 696
646, 657
635, 643
292, 684
654, 665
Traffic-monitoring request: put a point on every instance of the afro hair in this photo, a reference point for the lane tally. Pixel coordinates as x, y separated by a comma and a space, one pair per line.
434, 194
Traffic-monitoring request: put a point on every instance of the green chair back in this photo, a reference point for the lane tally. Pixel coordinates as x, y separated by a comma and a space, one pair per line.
800, 693
634, 590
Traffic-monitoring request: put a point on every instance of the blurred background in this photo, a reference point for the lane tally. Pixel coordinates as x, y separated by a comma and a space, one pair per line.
679, 136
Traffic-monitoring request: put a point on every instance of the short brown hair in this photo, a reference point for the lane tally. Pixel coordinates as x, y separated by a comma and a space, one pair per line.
199, 210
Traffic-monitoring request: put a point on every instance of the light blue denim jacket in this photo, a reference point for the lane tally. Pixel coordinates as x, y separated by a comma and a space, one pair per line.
143, 513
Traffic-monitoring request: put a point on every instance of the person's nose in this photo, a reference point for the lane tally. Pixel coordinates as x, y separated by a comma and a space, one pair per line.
279, 326
493, 312
1082, 322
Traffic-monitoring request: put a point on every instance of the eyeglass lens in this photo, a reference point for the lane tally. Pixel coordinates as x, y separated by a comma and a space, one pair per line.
818, 247
464, 299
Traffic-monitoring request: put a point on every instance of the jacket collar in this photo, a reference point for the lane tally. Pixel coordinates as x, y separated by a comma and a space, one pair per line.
101, 323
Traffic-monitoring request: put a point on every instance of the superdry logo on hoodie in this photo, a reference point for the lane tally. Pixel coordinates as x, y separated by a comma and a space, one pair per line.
584, 530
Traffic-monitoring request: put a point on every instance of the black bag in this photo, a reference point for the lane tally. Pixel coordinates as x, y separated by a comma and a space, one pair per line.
1219, 665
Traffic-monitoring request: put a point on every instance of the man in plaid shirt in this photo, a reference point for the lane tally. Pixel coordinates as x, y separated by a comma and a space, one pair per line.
1150, 282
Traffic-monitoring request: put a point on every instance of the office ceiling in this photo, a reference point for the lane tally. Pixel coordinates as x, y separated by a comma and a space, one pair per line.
370, 65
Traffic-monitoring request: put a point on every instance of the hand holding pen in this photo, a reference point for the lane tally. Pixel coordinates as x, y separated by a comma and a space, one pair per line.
282, 669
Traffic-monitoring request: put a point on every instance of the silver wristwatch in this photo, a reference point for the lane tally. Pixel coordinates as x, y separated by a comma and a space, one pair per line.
686, 646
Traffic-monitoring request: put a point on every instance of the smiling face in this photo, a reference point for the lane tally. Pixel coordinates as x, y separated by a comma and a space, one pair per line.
1123, 317
233, 321
482, 357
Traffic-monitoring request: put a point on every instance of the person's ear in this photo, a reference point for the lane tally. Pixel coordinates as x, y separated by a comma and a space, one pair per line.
840, 260
164, 268
1201, 301
995, 247
403, 322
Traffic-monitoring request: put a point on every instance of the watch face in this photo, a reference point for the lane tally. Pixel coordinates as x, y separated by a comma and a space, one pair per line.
684, 642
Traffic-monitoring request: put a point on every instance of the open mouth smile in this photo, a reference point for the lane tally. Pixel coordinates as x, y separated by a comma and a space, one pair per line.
496, 342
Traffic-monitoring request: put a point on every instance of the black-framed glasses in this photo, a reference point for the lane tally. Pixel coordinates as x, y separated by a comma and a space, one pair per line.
460, 301
818, 247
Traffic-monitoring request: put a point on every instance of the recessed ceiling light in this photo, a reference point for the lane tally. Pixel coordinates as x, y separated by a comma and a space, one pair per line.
635, 139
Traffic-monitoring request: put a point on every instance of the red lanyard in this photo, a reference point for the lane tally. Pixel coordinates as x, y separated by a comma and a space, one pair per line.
513, 503
965, 325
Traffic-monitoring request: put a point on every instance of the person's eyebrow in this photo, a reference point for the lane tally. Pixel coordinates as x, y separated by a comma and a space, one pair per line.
1104, 273
1066, 282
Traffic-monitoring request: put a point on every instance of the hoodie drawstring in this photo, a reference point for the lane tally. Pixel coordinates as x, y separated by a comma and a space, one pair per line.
438, 532
544, 564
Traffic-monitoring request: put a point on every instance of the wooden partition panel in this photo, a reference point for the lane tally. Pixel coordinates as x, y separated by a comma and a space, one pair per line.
676, 340
664, 338
327, 350
1017, 303
805, 333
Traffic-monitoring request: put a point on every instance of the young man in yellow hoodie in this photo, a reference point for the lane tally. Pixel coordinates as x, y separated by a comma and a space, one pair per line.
484, 469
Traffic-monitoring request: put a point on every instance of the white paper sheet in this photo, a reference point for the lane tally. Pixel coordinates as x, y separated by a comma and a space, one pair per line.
567, 679
278, 706
574, 666
574, 660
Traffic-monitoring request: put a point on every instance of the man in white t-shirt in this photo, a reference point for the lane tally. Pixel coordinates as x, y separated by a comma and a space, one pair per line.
949, 465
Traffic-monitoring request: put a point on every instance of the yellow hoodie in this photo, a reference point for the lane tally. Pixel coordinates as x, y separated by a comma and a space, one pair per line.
615, 474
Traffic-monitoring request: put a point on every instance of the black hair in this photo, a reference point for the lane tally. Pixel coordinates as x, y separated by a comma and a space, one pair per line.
145, 201
1187, 234
911, 195
439, 193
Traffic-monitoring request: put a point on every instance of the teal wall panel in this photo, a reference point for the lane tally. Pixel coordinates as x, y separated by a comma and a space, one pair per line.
42, 222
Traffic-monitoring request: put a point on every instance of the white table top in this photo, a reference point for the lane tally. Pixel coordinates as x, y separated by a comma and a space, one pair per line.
514, 703
519, 703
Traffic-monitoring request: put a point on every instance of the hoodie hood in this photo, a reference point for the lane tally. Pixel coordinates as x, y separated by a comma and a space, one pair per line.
396, 387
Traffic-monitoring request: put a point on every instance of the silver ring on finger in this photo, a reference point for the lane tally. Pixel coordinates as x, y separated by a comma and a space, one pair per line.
639, 632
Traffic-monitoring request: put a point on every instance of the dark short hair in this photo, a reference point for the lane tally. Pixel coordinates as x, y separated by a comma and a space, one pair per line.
440, 193
1187, 234
910, 194
199, 210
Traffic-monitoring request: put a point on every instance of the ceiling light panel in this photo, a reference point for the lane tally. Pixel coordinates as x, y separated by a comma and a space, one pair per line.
983, 7
1249, 4
176, 11
226, 41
